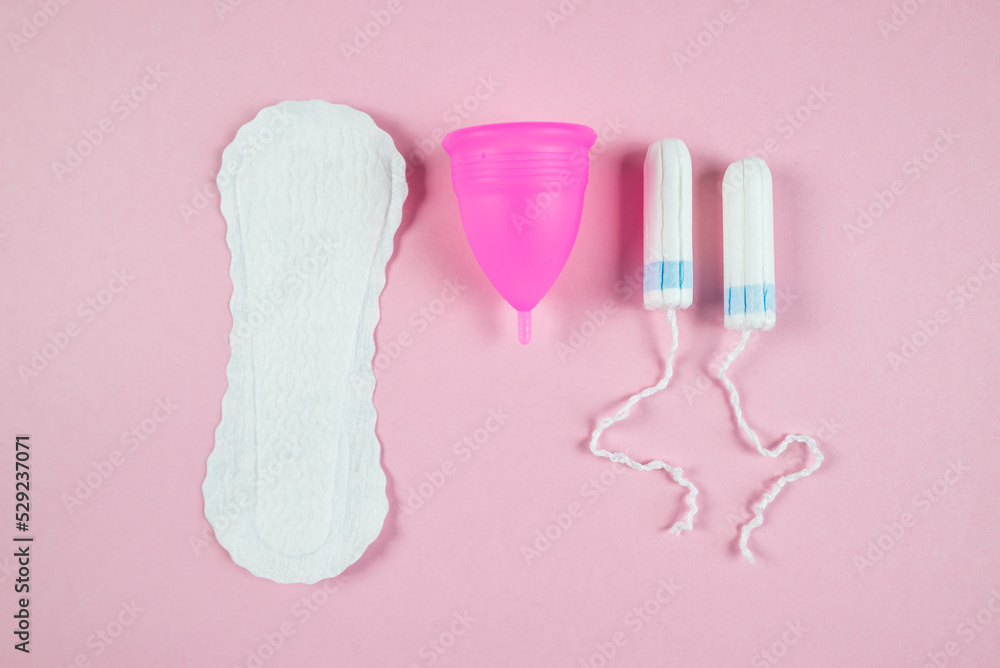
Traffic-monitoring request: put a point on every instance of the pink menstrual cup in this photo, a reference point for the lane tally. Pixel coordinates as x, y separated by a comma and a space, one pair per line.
520, 194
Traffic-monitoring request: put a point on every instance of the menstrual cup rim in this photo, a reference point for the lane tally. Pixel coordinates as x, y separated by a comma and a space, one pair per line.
572, 130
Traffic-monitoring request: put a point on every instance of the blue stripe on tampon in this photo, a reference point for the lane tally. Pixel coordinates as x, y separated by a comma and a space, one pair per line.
750, 299
660, 275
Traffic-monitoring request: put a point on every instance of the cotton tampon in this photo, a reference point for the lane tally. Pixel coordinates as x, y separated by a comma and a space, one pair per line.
667, 284
748, 241
748, 237
667, 250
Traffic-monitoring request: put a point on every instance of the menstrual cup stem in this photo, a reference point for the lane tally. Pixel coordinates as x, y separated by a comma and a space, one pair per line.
524, 326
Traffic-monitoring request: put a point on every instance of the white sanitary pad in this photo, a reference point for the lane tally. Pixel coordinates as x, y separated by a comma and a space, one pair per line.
312, 194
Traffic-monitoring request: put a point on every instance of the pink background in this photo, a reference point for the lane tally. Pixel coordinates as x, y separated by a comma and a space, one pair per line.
911, 458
